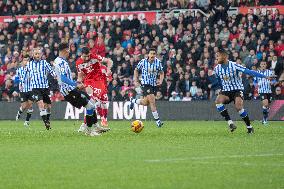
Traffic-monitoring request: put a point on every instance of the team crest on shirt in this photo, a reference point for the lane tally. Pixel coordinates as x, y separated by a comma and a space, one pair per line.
226, 77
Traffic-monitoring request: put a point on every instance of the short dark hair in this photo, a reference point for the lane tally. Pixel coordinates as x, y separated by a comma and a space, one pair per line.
63, 46
152, 49
85, 50
26, 56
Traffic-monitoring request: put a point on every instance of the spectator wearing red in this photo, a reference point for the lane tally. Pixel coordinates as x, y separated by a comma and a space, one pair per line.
99, 46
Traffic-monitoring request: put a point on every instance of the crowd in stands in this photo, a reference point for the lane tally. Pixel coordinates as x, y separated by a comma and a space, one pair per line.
30, 7
186, 44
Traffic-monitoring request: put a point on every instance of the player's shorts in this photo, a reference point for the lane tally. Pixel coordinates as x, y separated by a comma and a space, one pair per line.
148, 90
267, 96
77, 98
26, 96
42, 94
99, 89
232, 95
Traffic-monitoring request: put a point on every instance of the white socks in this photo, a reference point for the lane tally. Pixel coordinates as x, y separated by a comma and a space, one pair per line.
156, 115
137, 101
230, 122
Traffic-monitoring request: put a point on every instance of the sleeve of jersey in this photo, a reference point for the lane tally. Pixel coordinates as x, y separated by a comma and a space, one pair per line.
139, 65
78, 65
98, 57
61, 76
248, 71
216, 82
17, 79
253, 73
161, 68
50, 70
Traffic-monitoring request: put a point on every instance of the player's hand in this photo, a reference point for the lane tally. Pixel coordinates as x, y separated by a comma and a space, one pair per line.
80, 86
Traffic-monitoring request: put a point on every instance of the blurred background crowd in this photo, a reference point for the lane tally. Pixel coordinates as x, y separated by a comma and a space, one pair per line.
186, 44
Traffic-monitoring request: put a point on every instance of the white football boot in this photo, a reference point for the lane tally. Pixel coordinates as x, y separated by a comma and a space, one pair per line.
83, 128
100, 129
91, 131
26, 123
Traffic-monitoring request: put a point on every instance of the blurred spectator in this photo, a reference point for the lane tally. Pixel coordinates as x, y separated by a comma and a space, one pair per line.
199, 95
159, 96
278, 95
174, 97
187, 97
193, 88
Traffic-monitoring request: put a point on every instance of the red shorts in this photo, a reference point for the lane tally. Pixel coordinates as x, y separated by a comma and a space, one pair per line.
99, 89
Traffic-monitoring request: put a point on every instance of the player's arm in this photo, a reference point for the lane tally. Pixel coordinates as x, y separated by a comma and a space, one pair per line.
62, 76
135, 77
17, 78
136, 73
251, 72
161, 73
49, 69
81, 77
162, 76
216, 83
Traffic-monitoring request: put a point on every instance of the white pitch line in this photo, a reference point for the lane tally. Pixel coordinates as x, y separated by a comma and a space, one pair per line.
210, 157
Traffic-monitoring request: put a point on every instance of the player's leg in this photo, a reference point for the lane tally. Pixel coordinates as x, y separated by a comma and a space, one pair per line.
220, 105
265, 109
21, 110
91, 98
91, 116
239, 105
47, 103
29, 113
152, 102
104, 105
38, 96
144, 101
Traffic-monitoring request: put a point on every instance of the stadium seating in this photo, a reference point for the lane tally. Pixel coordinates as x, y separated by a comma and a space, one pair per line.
187, 43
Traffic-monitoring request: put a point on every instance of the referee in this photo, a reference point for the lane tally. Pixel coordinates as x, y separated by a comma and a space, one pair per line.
150, 68
38, 70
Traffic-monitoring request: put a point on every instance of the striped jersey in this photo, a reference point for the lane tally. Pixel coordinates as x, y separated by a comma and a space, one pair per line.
149, 71
38, 71
25, 83
229, 76
264, 85
61, 67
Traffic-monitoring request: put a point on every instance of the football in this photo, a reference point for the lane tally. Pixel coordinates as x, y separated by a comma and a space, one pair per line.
137, 126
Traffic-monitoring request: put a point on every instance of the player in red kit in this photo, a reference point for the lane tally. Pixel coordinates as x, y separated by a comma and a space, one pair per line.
102, 107
90, 72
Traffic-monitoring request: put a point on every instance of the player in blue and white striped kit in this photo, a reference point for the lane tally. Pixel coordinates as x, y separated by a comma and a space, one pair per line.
228, 74
25, 89
70, 90
264, 89
38, 70
150, 68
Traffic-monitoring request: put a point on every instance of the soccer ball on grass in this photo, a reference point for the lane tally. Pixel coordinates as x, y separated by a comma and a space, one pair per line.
137, 126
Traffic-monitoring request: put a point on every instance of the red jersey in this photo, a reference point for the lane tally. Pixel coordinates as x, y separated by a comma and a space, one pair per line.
92, 68
106, 77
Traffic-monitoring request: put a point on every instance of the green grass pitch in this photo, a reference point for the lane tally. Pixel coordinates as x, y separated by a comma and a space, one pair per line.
183, 154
